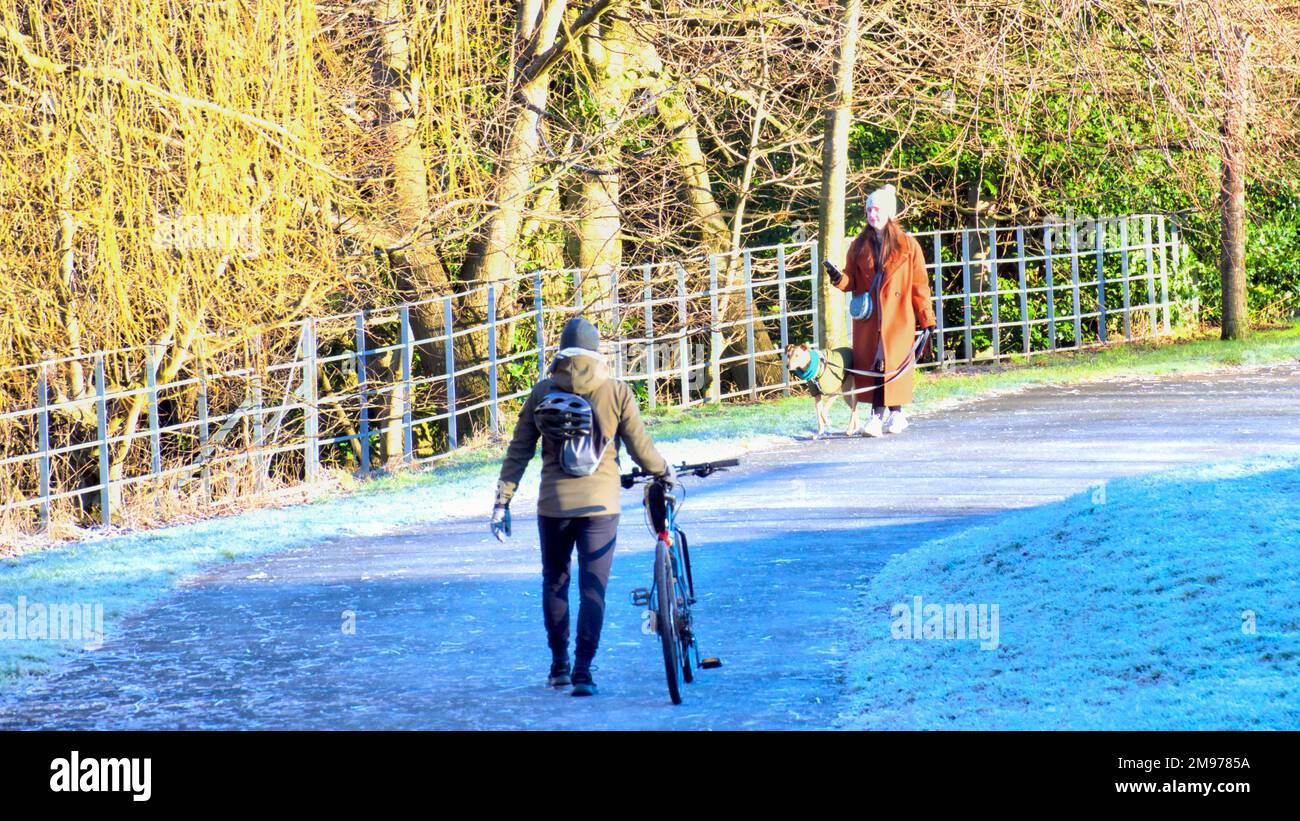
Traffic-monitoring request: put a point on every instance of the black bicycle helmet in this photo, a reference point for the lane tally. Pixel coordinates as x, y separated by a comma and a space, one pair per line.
563, 416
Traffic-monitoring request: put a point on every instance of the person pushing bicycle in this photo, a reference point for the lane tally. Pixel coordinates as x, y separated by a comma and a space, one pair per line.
581, 415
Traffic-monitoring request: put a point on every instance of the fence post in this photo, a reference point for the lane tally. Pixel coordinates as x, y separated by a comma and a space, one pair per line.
1174, 250
1101, 278
101, 425
1164, 271
1025, 333
539, 311
258, 422
938, 298
1074, 283
311, 418
965, 290
363, 434
715, 336
814, 285
408, 437
155, 437
1051, 286
1123, 266
683, 342
647, 295
748, 268
616, 332
783, 307
205, 433
450, 350
1177, 259
1153, 317
43, 425
492, 358
993, 271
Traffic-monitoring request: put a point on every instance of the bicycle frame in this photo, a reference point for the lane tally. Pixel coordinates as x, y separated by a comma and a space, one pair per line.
670, 609
673, 541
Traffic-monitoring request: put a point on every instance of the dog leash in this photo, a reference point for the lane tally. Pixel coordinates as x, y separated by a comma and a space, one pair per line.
923, 335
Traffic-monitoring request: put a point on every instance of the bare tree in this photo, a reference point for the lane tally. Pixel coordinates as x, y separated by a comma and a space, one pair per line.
835, 160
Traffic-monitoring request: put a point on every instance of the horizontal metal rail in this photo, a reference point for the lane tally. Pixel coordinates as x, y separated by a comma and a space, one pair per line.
322, 395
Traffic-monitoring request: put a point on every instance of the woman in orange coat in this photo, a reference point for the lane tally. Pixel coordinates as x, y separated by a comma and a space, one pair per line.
902, 303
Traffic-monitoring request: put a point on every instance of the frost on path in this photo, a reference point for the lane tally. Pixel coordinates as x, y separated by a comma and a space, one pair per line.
433, 624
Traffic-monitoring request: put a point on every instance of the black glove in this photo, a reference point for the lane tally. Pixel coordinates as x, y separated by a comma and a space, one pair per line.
500, 523
929, 339
832, 273
669, 479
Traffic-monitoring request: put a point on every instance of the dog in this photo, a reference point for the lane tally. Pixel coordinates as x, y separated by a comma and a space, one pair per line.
826, 379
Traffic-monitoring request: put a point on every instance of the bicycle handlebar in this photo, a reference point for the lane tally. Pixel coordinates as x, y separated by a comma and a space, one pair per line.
699, 469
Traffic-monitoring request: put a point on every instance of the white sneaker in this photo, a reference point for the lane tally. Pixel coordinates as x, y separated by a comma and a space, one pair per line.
896, 423
873, 426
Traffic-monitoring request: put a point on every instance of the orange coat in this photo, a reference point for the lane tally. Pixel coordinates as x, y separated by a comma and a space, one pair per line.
904, 299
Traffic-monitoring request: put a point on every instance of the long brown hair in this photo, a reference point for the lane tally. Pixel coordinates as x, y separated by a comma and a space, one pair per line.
891, 237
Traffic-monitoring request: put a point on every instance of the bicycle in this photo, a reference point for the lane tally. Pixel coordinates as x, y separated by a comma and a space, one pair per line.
673, 588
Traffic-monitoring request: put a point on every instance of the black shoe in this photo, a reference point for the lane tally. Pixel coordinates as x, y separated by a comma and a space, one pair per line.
559, 674
583, 685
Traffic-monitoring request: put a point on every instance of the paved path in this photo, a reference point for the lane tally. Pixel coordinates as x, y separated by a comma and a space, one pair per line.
448, 624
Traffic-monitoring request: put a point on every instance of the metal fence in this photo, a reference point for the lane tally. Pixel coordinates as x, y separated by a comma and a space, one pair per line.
340, 390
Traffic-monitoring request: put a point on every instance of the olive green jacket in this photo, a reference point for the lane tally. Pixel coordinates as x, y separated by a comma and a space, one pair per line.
831, 379
614, 408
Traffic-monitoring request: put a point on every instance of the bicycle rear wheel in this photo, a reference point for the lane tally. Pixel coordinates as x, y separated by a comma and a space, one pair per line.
666, 585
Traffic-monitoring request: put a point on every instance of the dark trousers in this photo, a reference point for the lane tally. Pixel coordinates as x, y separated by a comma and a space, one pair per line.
878, 395
594, 537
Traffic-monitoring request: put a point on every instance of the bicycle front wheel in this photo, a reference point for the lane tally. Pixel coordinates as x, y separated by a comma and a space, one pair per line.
666, 585
685, 635
687, 654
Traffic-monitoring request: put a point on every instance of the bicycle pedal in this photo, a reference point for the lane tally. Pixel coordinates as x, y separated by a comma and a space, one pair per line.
710, 663
641, 597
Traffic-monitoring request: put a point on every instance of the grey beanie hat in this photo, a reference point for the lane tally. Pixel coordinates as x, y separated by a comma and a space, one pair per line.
579, 333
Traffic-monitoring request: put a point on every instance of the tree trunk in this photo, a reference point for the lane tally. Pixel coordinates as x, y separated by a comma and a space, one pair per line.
685, 147
493, 253
417, 269
1232, 193
598, 243
493, 256
835, 167
982, 280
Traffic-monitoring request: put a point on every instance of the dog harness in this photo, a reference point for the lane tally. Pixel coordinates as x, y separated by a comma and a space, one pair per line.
819, 369
825, 375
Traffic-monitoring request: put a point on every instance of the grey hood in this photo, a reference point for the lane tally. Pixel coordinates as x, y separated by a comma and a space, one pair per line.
579, 371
